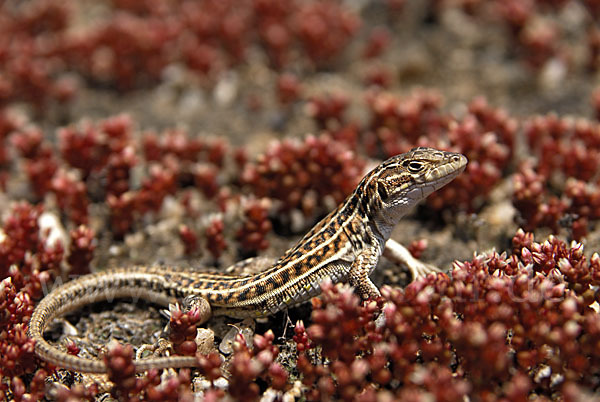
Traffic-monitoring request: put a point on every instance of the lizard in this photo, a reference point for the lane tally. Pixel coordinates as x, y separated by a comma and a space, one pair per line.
345, 246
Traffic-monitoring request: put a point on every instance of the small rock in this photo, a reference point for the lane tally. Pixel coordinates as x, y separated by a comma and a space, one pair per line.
205, 340
226, 89
50, 223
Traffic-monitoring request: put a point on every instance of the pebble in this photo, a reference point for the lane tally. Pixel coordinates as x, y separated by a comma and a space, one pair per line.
49, 223
226, 90
205, 340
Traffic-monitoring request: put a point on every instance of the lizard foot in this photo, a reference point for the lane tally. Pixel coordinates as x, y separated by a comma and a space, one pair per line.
398, 254
199, 303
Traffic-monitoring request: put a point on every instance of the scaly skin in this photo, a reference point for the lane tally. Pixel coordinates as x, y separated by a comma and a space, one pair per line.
345, 246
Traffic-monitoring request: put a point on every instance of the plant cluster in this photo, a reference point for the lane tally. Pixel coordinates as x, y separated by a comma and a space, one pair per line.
477, 333
255, 226
560, 188
137, 41
28, 265
485, 135
301, 175
535, 30
128, 387
30, 68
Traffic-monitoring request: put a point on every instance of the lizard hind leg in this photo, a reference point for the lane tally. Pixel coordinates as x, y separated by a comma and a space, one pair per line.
200, 304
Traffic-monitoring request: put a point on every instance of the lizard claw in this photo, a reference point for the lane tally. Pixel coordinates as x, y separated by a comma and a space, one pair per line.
419, 269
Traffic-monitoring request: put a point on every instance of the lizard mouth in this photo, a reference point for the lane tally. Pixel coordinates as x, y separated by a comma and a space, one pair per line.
443, 174
439, 176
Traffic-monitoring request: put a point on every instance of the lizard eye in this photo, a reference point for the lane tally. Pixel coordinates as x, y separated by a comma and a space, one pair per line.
413, 166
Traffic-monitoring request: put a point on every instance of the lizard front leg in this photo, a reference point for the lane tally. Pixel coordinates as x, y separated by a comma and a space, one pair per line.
398, 254
361, 267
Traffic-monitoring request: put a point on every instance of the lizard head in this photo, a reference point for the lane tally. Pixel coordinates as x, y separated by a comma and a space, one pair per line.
403, 180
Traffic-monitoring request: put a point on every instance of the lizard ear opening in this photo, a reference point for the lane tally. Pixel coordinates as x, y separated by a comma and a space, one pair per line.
382, 191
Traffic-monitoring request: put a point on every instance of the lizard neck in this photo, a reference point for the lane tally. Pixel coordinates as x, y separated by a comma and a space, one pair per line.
375, 213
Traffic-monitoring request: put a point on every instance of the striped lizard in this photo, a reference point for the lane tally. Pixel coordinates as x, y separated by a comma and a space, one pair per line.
345, 246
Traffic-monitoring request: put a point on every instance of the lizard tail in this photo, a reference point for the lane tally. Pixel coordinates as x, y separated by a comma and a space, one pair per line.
91, 289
